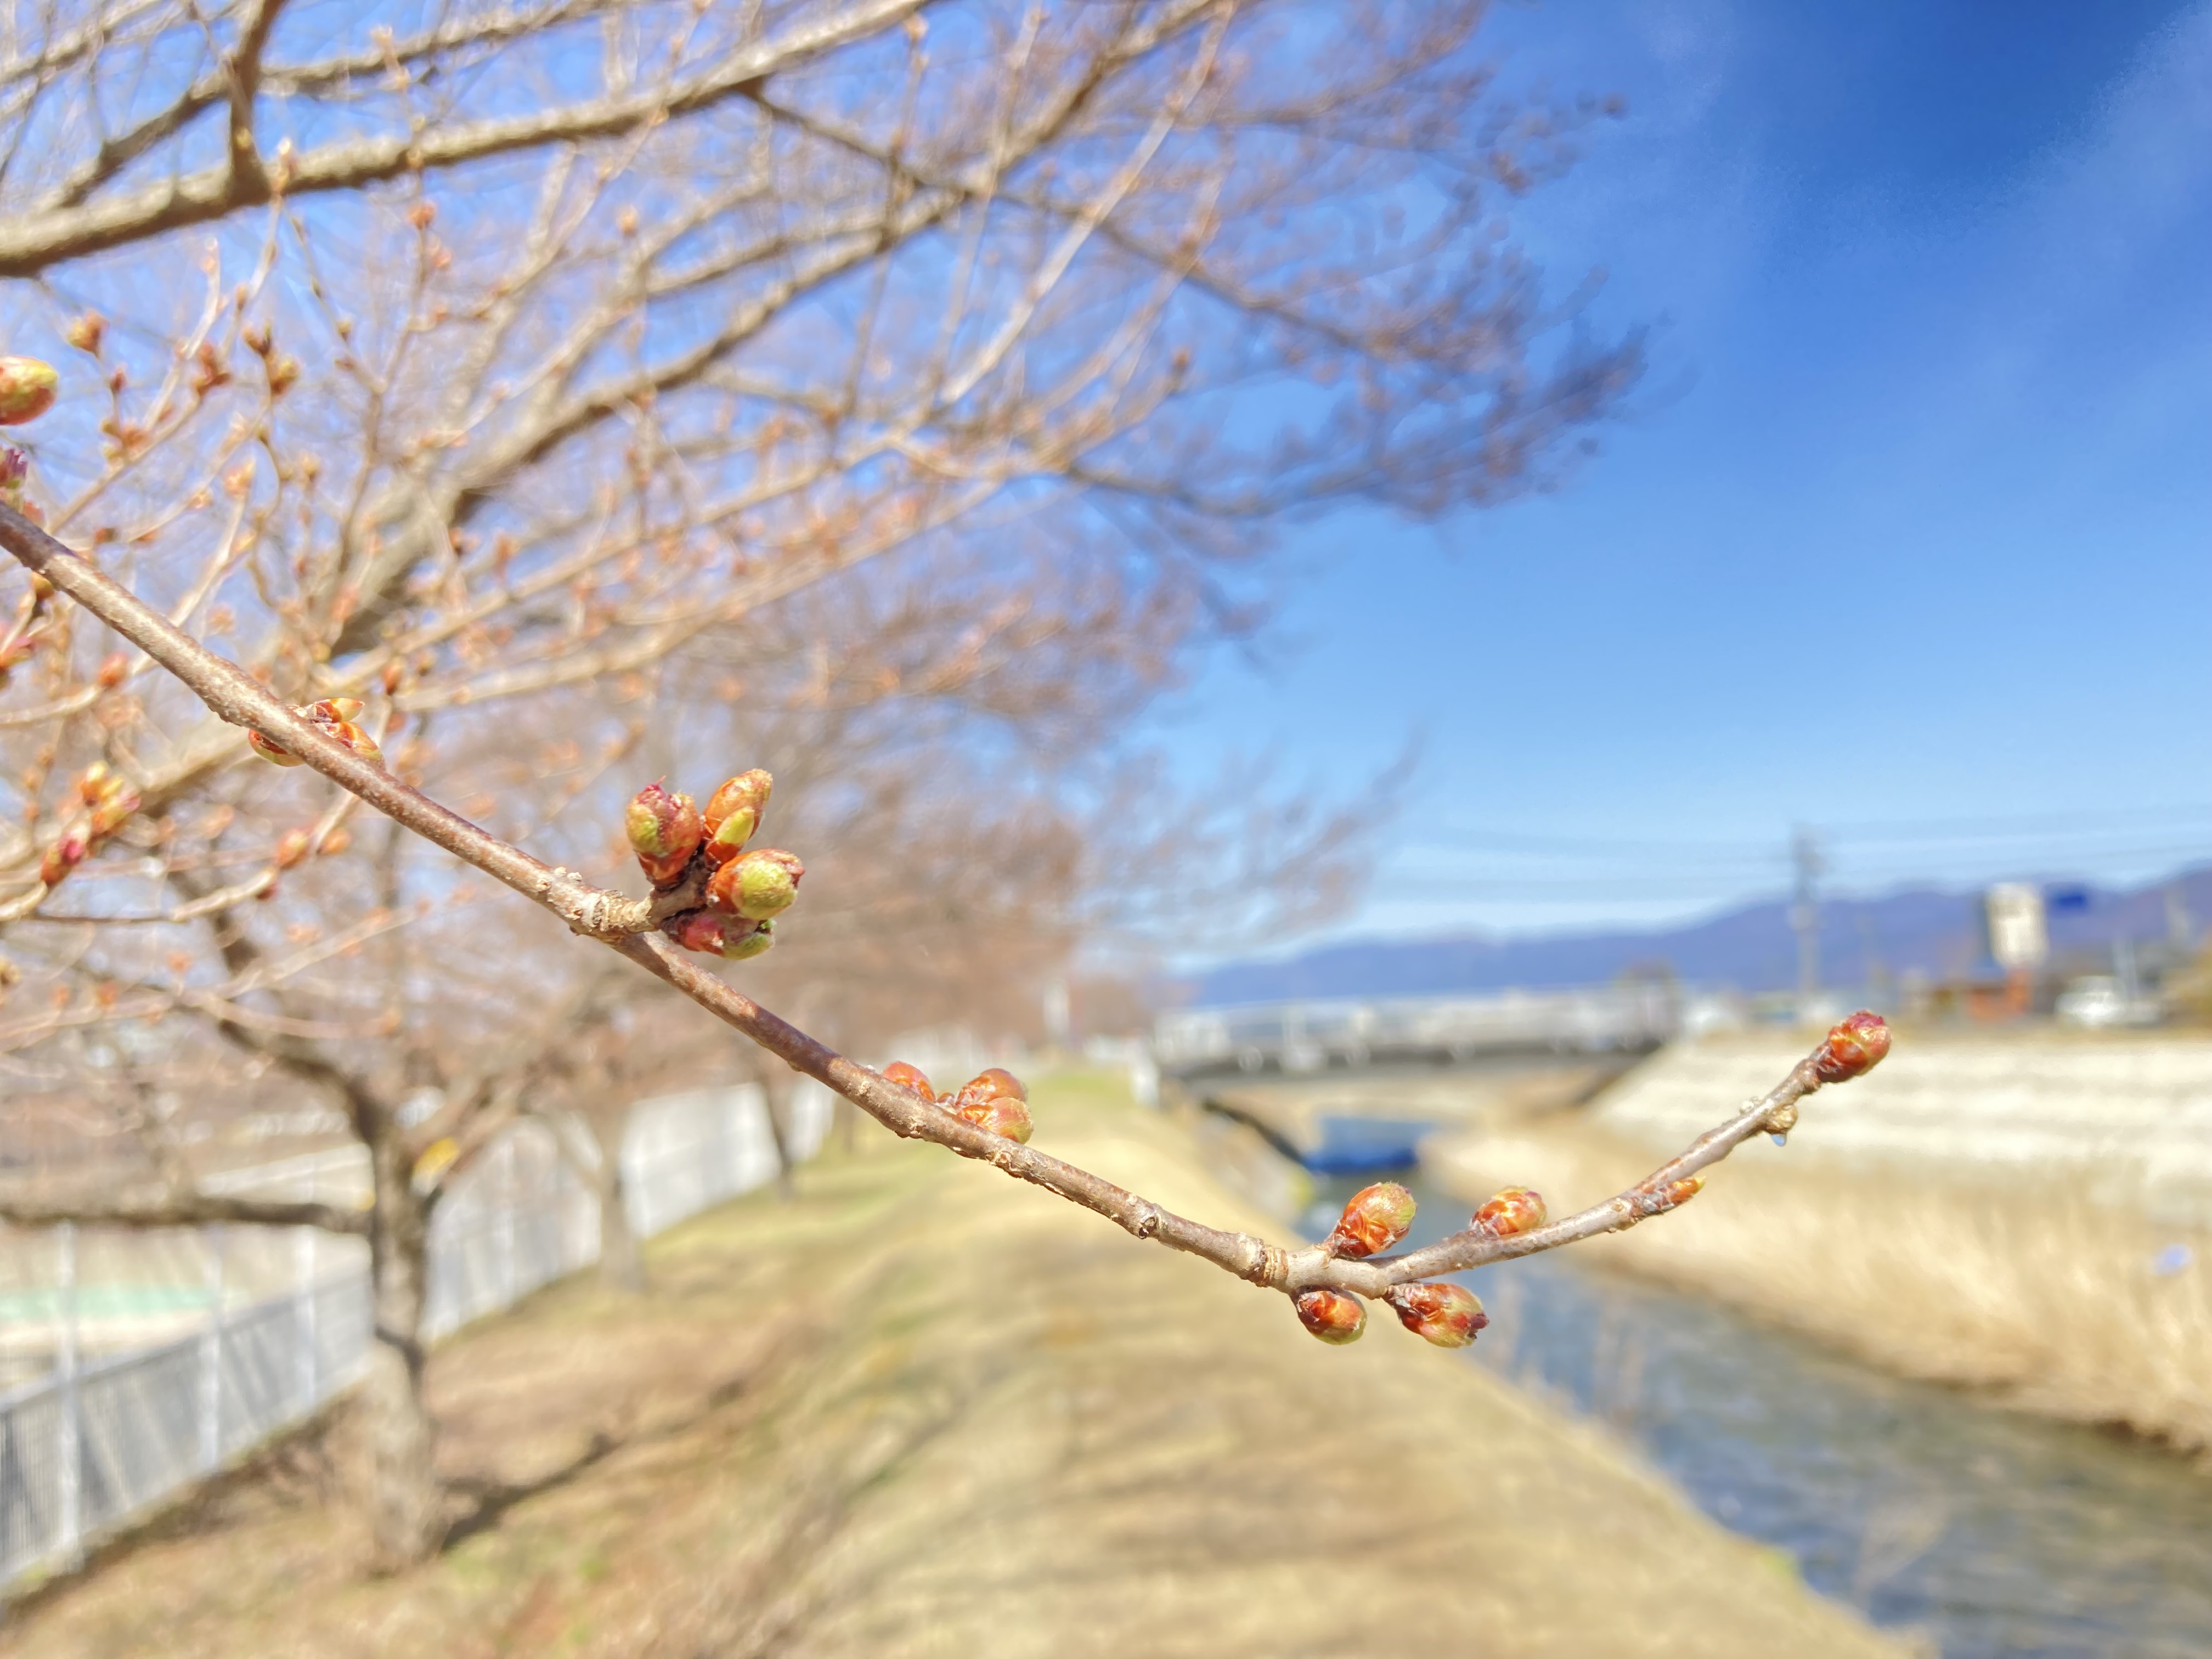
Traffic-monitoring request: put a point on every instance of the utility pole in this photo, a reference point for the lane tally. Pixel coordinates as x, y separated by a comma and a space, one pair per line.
1805, 914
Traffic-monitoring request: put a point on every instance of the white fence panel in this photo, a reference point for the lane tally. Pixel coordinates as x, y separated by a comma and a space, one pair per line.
97, 1443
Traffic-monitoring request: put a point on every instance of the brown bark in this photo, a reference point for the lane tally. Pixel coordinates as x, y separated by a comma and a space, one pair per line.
622, 1261
776, 1101
404, 1501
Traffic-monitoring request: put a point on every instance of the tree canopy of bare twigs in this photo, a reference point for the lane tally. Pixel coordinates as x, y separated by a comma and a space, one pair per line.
889, 393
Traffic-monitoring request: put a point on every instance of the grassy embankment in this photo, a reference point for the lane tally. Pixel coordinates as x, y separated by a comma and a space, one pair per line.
922, 1410
1894, 1241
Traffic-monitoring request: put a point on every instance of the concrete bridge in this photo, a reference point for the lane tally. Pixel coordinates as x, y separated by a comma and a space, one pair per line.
1299, 1038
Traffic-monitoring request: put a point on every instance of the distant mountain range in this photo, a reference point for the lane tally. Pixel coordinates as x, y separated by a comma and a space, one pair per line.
1924, 930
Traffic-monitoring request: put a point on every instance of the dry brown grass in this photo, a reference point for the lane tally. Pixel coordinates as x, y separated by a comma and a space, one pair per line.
2030, 1291
923, 1411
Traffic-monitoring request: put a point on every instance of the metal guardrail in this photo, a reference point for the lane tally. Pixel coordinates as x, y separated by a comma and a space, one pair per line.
1309, 1037
100, 1442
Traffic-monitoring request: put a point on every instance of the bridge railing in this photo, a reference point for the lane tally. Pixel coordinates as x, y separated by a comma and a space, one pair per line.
1308, 1036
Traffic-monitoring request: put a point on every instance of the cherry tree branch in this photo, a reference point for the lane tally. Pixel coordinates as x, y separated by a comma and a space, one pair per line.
31, 242
629, 926
181, 1209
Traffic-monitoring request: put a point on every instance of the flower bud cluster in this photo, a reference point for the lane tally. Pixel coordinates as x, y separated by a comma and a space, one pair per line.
1853, 1047
334, 717
107, 803
1375, 1219
744, 890
994, 1100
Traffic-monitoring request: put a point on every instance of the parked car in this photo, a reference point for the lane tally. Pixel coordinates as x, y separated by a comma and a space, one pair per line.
2102, 999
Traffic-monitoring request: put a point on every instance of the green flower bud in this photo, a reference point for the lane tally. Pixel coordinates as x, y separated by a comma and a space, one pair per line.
27, 389
734, 812
756, 941
757, 884
1446, 1314
1376, 1218
1331, 1316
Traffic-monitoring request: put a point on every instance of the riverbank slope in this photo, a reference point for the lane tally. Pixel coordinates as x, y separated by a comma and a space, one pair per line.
2019, 1215
922, 1410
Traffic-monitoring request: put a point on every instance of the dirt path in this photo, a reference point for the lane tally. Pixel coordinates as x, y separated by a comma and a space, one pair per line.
921, 1411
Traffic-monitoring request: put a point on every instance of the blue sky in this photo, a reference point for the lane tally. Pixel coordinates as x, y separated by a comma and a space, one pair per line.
1908, 535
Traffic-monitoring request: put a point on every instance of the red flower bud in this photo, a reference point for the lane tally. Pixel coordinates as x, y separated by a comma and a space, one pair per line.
909, 1078
291, 848
663, 831
997, 1084
758, 885
1376, 1218
1853, 1047
333, 718
64, 856
114, 669
1516, 1210
728, 937
1331, 1315
733, 813
355, 740
1003, 1115
1446, 1314
86, 332
27, 389
268, 751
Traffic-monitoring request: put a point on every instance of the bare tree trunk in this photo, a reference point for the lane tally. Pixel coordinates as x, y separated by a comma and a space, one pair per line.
622, 1263
776, 1097
406, 1506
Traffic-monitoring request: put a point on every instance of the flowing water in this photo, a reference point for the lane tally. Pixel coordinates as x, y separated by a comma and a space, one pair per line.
1992, 1532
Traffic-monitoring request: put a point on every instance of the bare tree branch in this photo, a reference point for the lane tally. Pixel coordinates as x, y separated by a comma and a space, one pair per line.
234, 696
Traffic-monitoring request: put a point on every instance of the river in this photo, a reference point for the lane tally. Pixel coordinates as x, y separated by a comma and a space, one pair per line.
1992, 1532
